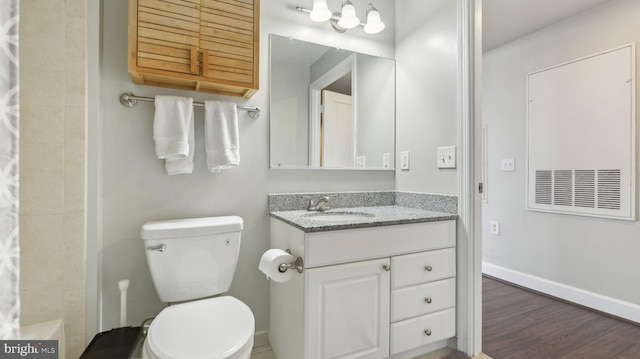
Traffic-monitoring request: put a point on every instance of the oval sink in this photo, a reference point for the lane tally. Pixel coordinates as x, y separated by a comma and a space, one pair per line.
338, 216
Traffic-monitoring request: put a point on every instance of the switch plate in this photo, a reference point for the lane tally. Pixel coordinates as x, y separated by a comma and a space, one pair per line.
404, 160
447, 157
508, 165
361, 161
385, 160
495, 228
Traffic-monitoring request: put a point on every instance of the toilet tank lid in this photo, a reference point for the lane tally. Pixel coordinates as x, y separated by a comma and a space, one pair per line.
190, 227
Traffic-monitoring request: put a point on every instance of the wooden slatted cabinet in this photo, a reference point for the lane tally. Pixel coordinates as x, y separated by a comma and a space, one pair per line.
200, 45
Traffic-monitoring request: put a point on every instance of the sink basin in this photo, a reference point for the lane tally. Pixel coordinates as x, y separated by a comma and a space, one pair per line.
338, 216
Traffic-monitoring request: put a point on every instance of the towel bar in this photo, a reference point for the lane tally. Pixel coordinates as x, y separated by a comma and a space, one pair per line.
130, 100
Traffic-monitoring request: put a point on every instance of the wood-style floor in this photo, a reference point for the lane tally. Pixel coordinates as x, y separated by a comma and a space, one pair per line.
521, 324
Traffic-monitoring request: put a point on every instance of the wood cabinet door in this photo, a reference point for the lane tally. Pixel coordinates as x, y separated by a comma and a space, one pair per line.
168, 35
347, 310
228, 41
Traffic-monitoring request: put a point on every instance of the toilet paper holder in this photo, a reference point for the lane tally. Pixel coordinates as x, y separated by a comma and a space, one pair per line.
298, 264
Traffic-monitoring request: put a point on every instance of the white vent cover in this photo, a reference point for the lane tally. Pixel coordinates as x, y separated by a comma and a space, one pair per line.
581, 136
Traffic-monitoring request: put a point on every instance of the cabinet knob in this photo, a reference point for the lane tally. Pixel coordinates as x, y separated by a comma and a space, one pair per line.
428, 300
386, 267
428, 268
427, 332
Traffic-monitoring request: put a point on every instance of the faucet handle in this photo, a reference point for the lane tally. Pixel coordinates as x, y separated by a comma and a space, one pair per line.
310, 206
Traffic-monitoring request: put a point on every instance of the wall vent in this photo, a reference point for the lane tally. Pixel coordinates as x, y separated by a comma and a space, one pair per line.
577, 188
585, 185
581, 136
544, 187
609, 189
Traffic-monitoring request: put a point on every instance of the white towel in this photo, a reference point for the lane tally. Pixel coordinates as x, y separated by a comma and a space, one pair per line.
173, 133
221, 135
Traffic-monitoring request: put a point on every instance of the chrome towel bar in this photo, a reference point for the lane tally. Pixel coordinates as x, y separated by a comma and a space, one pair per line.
130, 100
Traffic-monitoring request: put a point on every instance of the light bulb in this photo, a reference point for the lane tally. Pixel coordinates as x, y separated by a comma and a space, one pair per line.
374, 24
348, 19
320, 11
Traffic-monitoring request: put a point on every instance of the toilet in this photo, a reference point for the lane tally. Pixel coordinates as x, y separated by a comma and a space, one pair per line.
190, 261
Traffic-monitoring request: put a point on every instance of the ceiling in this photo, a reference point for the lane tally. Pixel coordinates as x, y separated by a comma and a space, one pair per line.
506, 20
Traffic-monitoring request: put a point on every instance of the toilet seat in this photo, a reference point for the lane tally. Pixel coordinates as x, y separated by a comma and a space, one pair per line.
215, 328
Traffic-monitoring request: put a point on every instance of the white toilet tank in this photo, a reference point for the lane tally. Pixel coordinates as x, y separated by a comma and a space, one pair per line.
192, 258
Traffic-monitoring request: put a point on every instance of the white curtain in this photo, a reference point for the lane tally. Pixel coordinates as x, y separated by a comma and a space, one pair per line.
9, 134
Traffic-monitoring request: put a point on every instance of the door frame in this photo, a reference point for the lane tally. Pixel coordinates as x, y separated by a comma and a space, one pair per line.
469, 318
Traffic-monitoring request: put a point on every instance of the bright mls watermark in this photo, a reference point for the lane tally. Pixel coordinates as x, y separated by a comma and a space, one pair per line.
29, 349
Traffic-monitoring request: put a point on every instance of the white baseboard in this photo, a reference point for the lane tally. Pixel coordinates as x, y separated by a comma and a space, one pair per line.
260, 339
592, 300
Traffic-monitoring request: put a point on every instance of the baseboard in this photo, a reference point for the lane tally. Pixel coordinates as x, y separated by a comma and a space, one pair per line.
579, 296
260, 339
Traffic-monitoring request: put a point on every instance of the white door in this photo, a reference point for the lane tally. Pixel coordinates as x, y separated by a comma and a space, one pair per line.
337, 130
347, 311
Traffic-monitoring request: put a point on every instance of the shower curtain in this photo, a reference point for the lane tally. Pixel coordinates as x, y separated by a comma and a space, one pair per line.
9, 130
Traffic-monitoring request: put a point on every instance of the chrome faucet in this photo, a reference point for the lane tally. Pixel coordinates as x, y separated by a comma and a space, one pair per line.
321, 205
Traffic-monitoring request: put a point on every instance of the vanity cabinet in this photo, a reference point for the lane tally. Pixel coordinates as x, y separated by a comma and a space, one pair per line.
199, 45
373, 292
349, 310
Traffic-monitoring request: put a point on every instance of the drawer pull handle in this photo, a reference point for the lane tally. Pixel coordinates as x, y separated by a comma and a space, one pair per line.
386, 267
428, 268
428, 300
427, 332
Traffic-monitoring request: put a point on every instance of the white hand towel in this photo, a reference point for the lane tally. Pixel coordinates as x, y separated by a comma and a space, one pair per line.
221, 135
182, 165
173, 133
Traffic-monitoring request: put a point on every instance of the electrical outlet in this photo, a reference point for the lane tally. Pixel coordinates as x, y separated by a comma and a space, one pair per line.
404, 160
385, 160
361, 161
508, 165
447, 157
495, 228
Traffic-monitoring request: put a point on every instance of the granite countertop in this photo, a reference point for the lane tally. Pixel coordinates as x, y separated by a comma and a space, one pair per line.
380, 216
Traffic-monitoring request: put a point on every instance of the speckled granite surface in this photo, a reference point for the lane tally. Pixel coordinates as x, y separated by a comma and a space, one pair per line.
369, 217
364, 209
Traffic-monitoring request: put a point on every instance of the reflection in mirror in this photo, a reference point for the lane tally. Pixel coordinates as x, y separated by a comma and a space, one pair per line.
330, 108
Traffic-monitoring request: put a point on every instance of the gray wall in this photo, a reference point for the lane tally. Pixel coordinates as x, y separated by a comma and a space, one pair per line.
133, 187
599, 256
426, 110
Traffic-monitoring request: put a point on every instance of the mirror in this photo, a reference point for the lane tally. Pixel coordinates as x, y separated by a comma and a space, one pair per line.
330, 108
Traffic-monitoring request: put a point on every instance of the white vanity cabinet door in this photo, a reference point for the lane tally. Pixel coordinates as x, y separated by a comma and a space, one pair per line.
347, 310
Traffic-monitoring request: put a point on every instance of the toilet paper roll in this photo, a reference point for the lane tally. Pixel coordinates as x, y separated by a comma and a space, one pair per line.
270, 262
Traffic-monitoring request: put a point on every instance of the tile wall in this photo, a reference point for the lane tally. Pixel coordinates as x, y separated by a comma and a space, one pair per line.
52, 165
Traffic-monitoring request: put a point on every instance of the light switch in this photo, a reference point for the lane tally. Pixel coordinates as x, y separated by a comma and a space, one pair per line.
447, 157
404, 160
508, 165
361, 161
385, 160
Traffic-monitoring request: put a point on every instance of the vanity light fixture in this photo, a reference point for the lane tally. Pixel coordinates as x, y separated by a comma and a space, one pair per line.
374, 24
346, 19
320, 11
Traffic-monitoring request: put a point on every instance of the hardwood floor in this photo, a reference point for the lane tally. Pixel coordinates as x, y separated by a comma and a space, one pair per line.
521, 324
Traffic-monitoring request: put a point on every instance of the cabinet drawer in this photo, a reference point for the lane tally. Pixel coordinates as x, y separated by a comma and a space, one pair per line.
423, 299
422, 267
412, 333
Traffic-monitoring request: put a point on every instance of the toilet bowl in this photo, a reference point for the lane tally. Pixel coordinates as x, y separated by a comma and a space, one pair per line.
191, 259
215, 328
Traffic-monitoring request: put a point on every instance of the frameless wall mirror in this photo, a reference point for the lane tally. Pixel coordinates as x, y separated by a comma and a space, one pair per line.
330, 108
